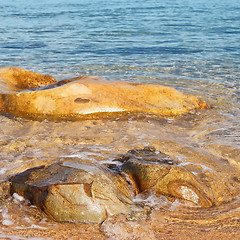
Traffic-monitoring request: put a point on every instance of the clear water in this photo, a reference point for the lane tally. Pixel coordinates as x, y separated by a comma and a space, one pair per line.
190, 45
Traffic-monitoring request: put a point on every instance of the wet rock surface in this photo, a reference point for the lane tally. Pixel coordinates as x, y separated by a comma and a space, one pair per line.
73, 191
31, 95
87, 192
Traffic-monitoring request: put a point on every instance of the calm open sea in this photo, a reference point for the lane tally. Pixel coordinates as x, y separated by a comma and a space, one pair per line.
191, 45
194, 39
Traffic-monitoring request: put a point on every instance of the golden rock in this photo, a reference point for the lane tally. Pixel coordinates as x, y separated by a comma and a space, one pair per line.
28, 94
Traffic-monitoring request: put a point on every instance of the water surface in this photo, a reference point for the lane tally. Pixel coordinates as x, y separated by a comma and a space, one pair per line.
192, 46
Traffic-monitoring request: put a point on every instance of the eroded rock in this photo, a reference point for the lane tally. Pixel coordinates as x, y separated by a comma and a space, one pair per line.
86, 192
80, 191
27, 94
149, 171
170, 181
74, 191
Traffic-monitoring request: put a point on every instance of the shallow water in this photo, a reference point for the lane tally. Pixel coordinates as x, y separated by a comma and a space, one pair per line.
192, 46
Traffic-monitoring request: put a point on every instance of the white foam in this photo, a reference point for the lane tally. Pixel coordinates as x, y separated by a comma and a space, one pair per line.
204, 168
175, 205
33, 226
28, 220
3, 170
6, 217
37, 226
157, 202
127, 230
18, 198
7, 222
17, 237
151, 200
5, 213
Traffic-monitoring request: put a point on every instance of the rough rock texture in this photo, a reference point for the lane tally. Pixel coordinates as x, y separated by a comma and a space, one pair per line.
149, 171
170, 181
81, 191
74, 191
16, 79
80, 97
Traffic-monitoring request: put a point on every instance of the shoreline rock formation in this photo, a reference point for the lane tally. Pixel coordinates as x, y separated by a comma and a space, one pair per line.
28, 94
86, 192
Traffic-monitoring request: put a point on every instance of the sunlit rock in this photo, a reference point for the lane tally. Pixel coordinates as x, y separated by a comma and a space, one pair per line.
28, 94
13, 79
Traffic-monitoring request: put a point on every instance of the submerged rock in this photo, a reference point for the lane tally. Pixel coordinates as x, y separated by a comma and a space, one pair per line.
81, 191
27, 94
74, 191
149, 171
170, 181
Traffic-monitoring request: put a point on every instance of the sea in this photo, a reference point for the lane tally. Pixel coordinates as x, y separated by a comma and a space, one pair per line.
192, 46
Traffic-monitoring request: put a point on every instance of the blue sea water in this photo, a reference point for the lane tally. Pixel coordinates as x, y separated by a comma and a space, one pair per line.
193, 39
